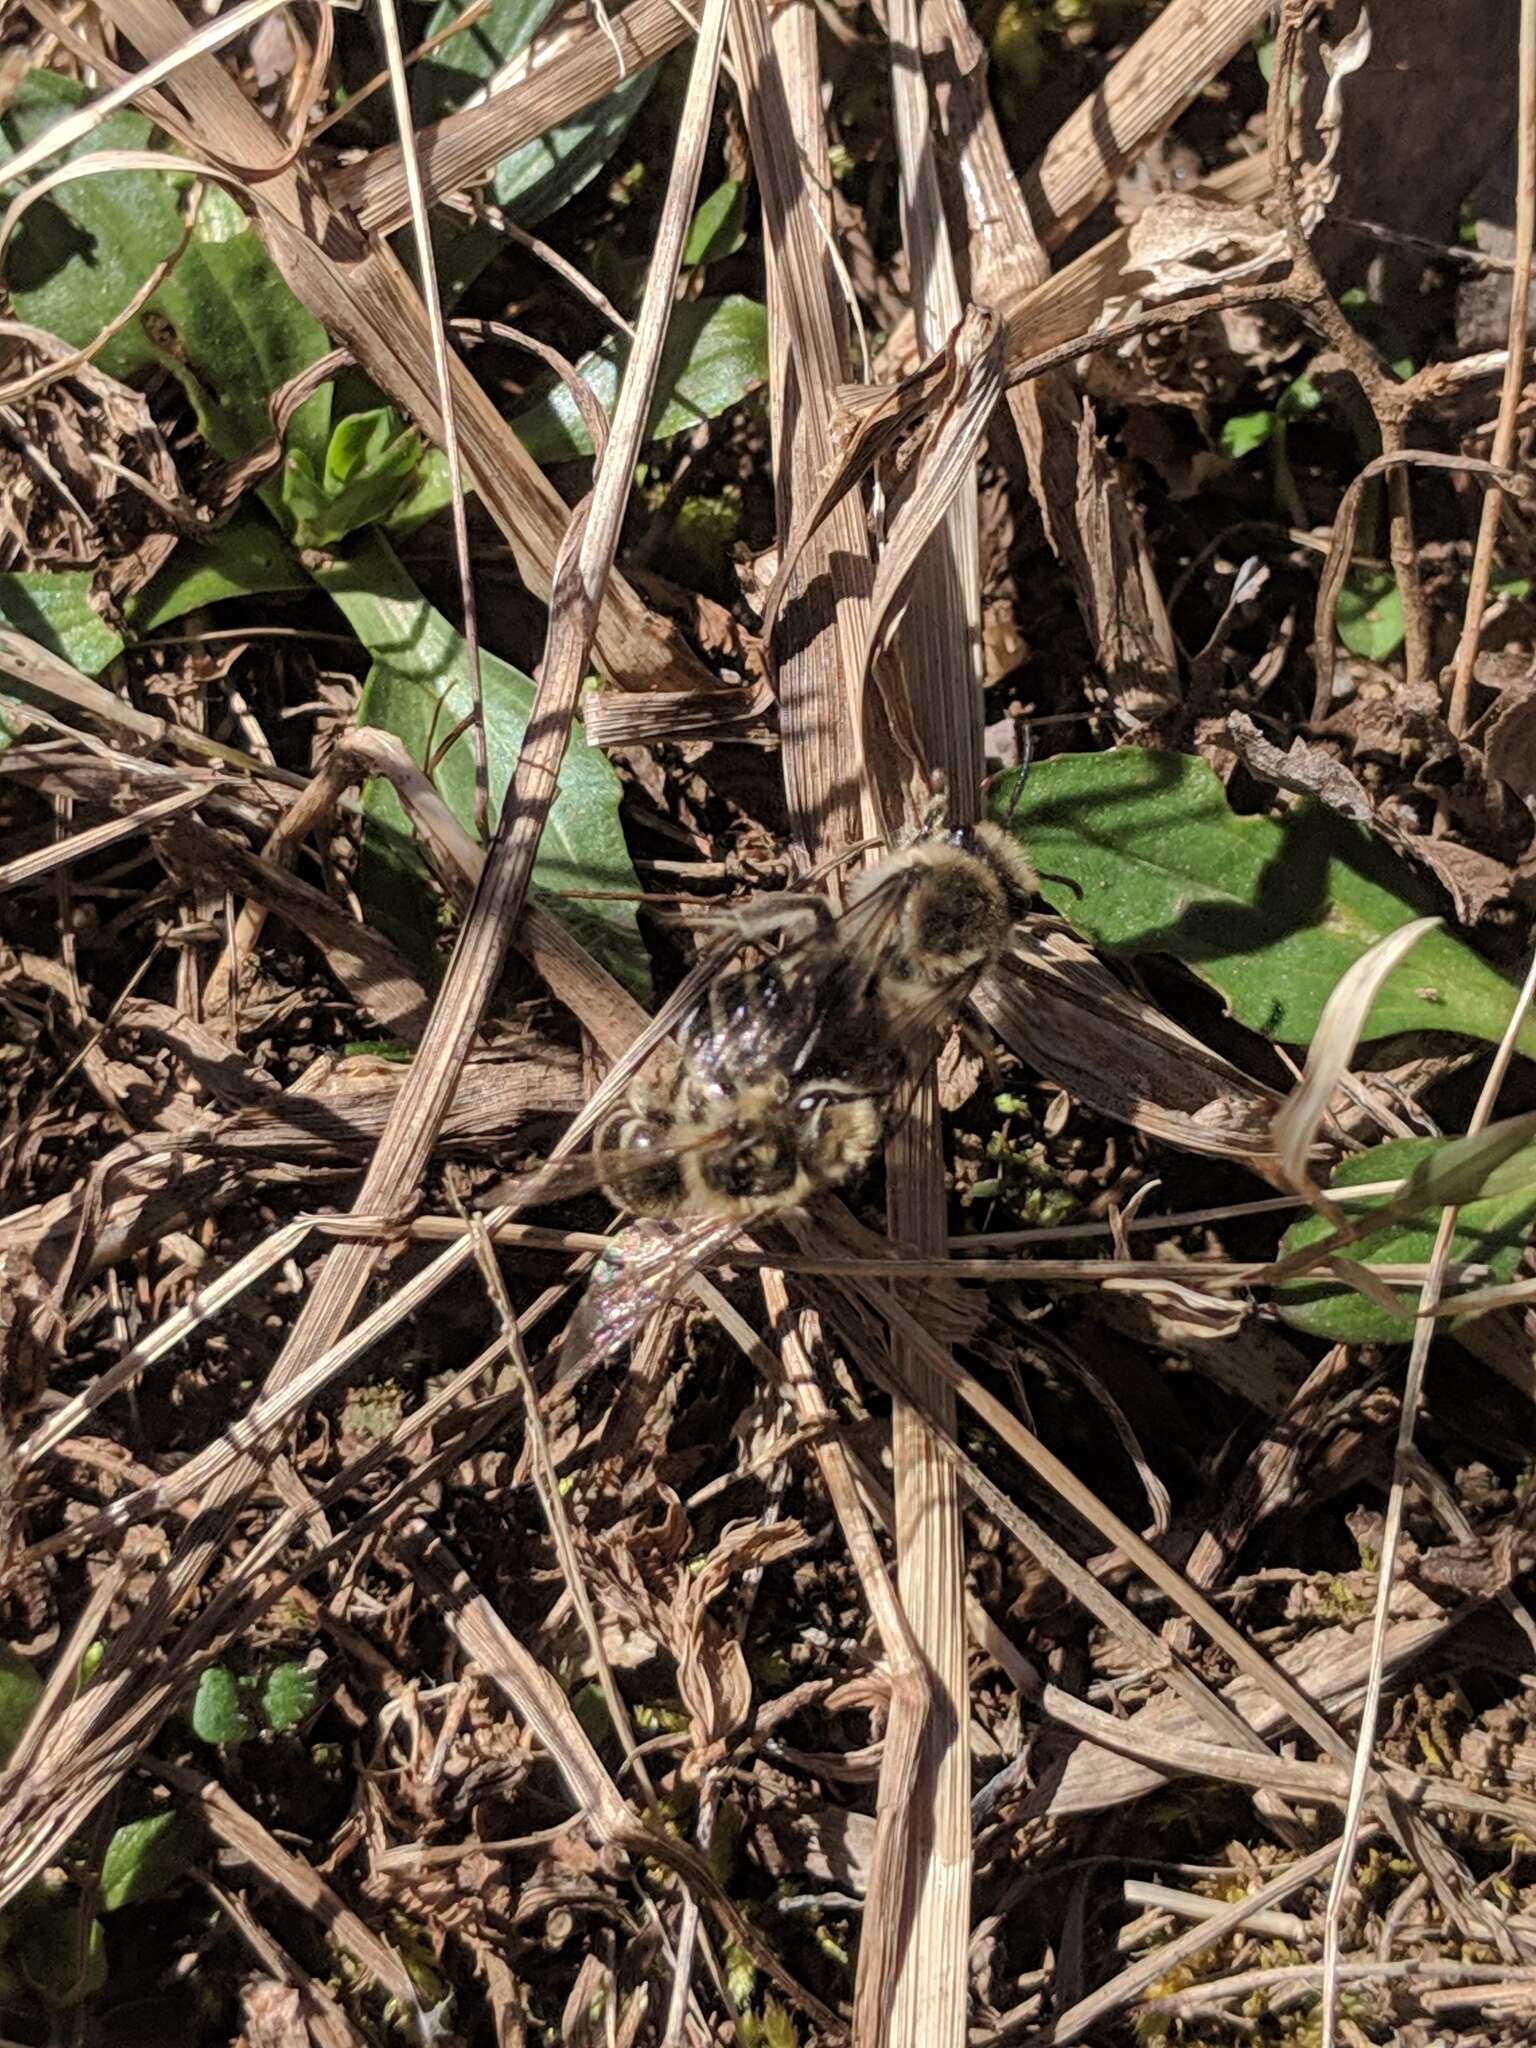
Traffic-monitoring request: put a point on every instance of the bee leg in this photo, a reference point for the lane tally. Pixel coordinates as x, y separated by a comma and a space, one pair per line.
797, 915
984, 1048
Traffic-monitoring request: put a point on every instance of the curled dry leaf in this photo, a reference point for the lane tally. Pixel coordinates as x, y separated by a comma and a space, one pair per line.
1296, 1126
1509, 738
1062, 1010
711, 1668
1473, 880
1189, 241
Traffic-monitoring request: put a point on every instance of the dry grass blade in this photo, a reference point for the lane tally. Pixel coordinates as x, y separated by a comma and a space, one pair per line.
426, 268
31, 867
1080, 2020
403, 1151
243, 1835
366, 964
42, 672
942, 482
306, 1342
1061, 1009
1341, 544
354, 287
932, 549
780, 83
1402, 1475
1333, 1045
1163, 70
464, 148
74, 127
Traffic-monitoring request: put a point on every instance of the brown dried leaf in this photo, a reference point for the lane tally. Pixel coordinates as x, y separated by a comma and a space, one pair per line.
1509, 738
712, 1673
1063, 1011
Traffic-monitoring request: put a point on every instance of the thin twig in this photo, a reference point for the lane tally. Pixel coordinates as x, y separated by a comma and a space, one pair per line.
1503, 448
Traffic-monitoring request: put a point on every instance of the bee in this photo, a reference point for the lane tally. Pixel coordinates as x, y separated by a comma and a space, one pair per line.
937, 913
790, 1074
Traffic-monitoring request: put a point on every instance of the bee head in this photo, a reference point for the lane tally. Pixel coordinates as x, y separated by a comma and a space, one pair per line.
778, 1148
636, 1173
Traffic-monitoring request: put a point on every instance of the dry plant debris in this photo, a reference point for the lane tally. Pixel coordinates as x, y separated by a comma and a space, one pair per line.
1066, 1581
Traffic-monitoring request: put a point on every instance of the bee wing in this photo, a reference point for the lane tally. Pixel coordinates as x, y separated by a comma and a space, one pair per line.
642, 1269
579, 1173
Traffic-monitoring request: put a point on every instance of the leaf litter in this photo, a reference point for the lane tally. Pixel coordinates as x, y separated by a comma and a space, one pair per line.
804, 1674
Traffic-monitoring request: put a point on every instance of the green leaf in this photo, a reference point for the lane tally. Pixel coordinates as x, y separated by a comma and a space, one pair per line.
1486, 1165
740, 1972
60, 1952
1245, 432
371, 462
1490, 1232
536, 180
418, 689
246, 558
1271, 914
776, 2028
19, 1688
718, 228
716, 352
53, 607
1370, 614
217, 1714
236, 331
145, 1858
445, 80
288, 1697
1299, 397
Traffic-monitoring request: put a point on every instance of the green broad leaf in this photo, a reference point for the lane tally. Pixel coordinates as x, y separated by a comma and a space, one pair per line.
236, 331
418, 689
145, 1858
19, 1688
1491, 1233
371, 463
53, 607
289, 1696
1370, 614
536, 180
718, 229
716, 352
248, 557
1270, 913
1245, 432
217, 1713
442, 82
60, 1952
